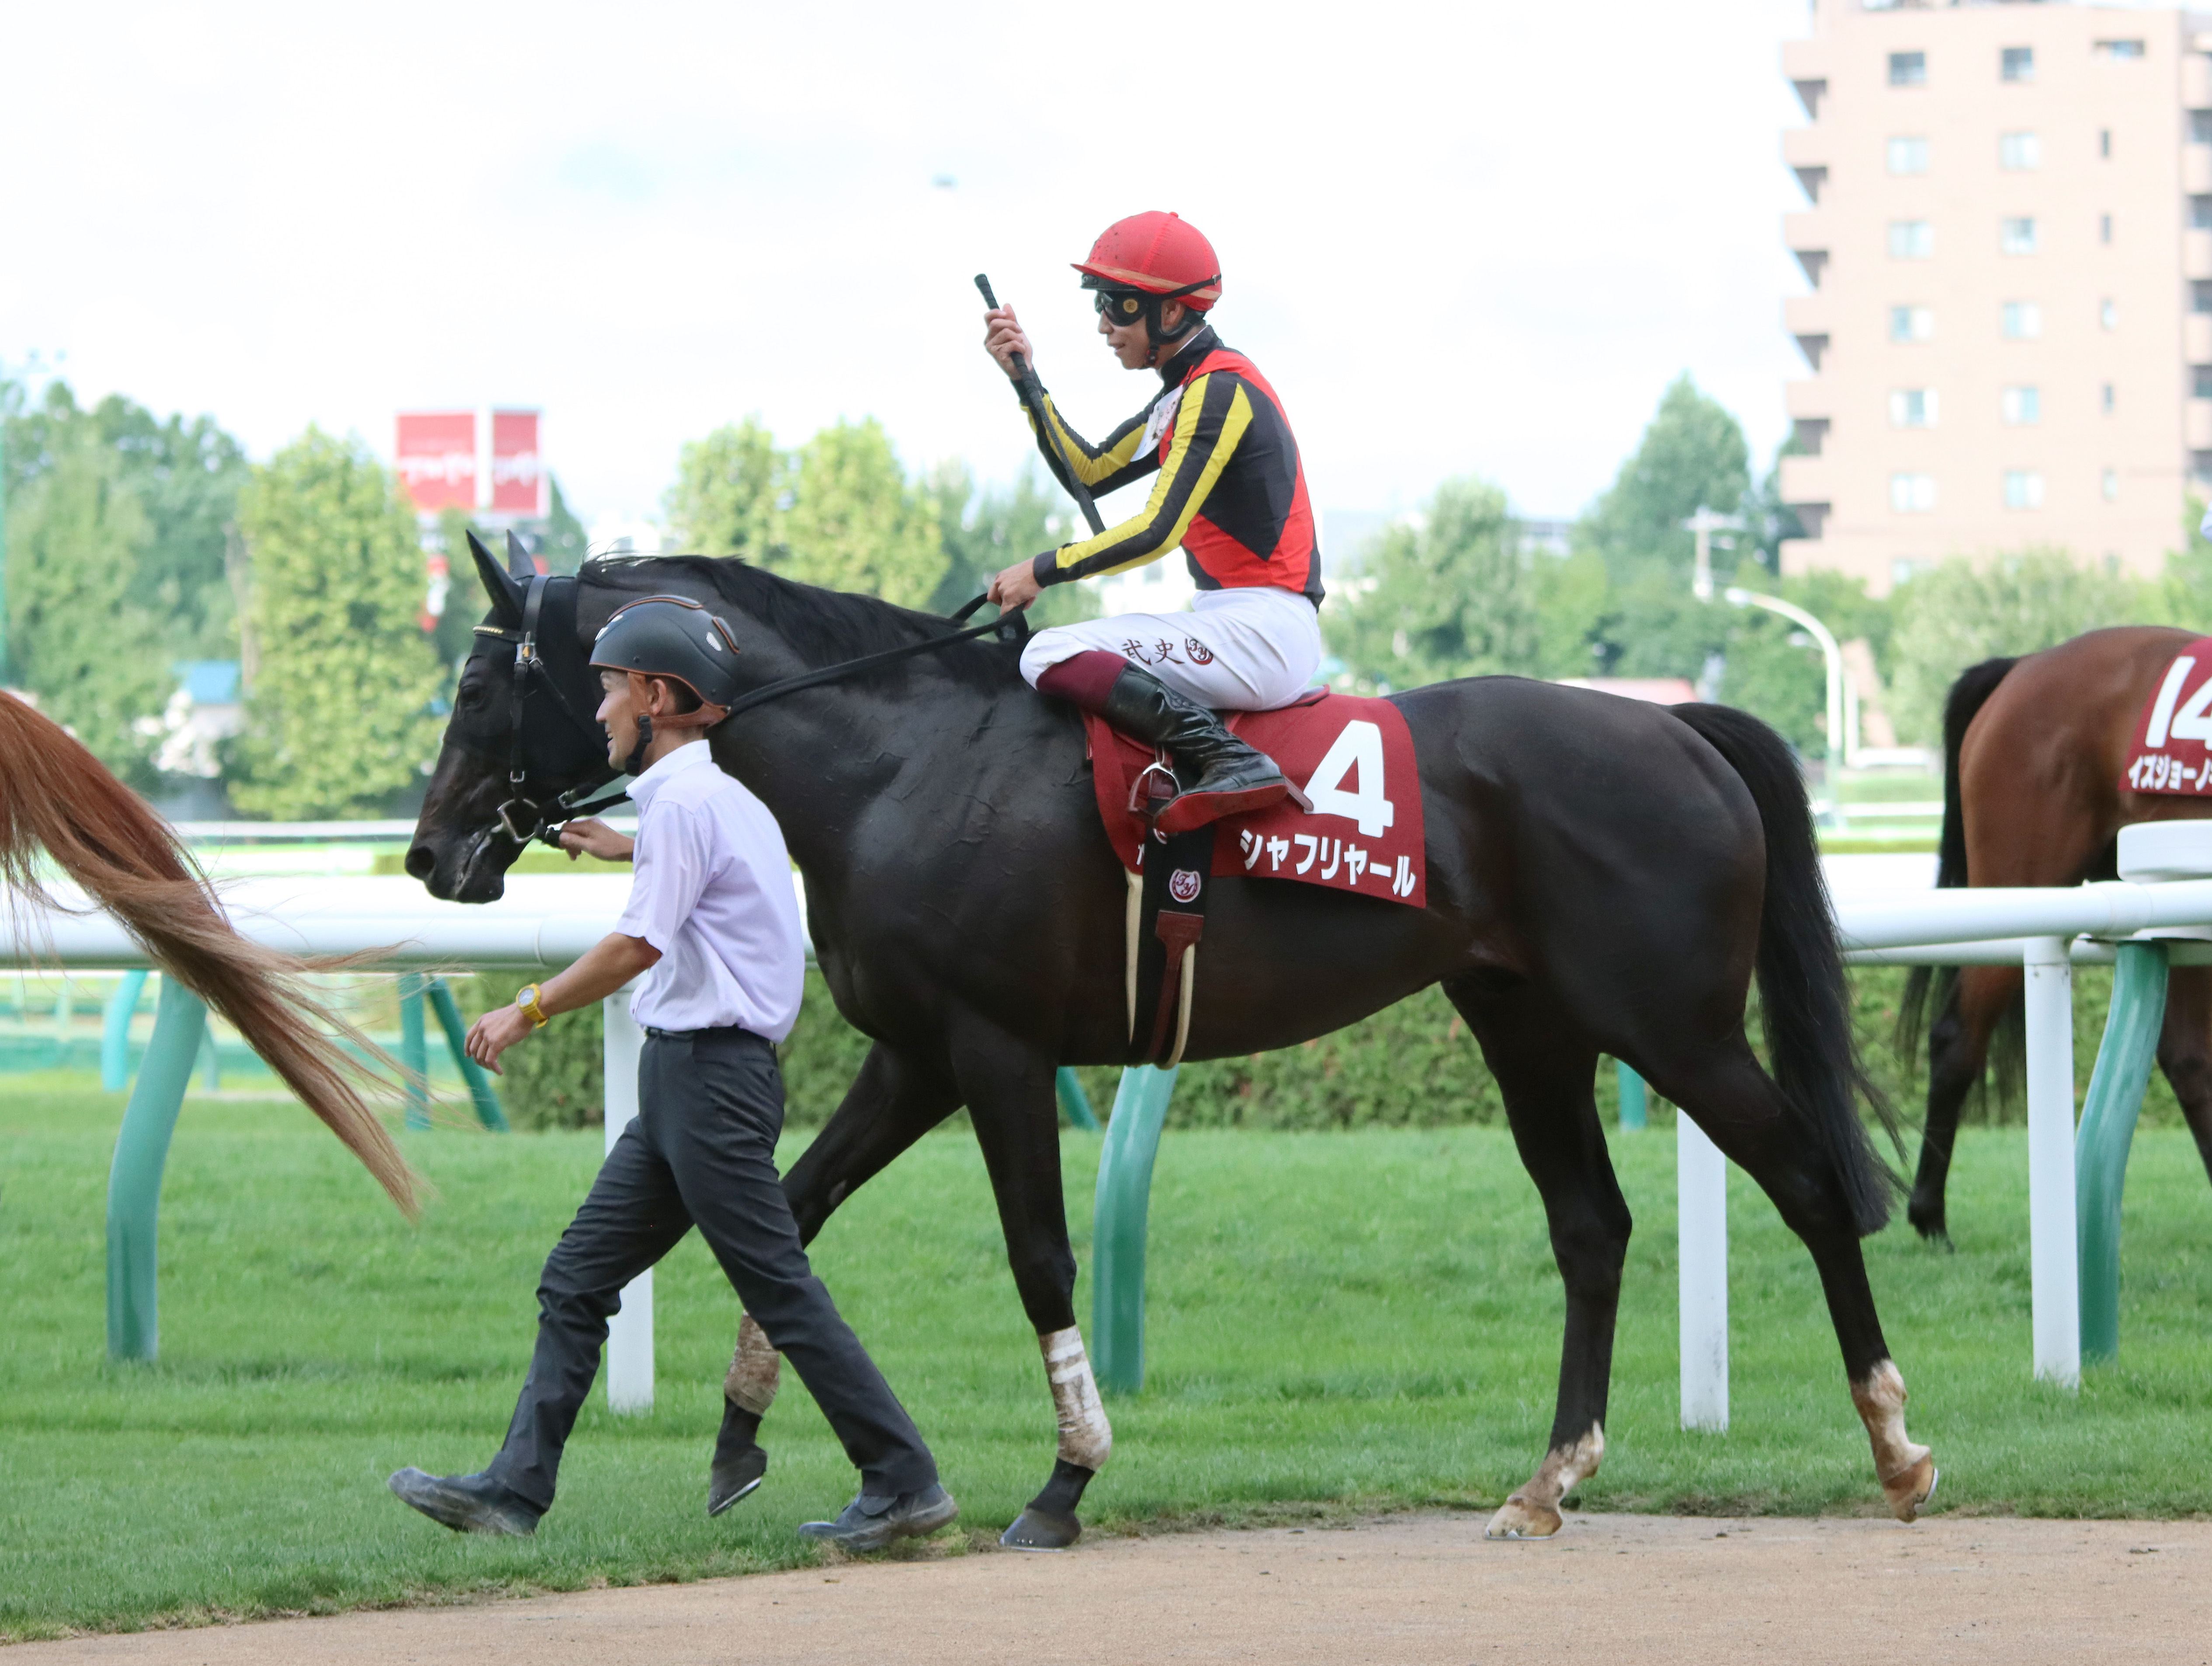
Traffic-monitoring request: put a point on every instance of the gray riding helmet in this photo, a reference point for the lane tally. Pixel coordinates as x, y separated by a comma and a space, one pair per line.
671, 636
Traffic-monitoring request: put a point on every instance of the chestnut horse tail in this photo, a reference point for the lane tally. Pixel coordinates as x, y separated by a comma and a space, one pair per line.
1927, 987
56, 796
1804, 999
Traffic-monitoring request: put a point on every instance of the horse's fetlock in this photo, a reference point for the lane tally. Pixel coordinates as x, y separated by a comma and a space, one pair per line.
1087, 1438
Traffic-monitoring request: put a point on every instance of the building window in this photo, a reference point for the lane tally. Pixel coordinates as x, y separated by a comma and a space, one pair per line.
2200, 127
2023, 406
2200, 378
1912, 240
2023, 321
2104, 398
1912, 407
2108, 315
2111, 484
1908, 156
2023, 489
1911, 324
2019, 153
1913, 494
2105, 143
1908, 69
2105, 228
2015, 235
2118, 49
2200, 213
2016, 63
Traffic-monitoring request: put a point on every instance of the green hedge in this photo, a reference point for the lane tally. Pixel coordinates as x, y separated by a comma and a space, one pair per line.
1410, 1066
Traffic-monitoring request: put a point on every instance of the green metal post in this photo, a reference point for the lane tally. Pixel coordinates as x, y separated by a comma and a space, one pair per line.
115, 1031
1074, 1103
134, 1180
414, 1051
1635, 1101
1117, 1234
2108, 1127
457, 1038
210, 1062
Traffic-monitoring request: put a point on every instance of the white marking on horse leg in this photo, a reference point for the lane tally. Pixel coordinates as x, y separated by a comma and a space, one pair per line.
1534, 1512
1086, 1439
1906, 1471
751, 1385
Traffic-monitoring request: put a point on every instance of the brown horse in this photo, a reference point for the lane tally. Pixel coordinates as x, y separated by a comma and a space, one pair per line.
2034, 750
56, 796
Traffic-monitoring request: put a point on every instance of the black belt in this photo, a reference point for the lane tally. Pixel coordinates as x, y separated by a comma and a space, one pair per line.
714, 1033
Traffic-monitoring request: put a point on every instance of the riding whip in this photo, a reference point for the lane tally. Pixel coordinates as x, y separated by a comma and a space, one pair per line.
1032, 395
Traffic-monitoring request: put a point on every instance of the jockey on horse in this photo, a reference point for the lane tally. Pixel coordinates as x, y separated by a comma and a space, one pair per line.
1230, 490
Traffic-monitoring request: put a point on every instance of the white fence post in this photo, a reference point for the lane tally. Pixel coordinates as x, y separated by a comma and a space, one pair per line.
1701, 1233
2052, 1252
629, 1333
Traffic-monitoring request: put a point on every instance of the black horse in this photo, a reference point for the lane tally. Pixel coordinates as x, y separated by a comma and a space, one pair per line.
1604, 876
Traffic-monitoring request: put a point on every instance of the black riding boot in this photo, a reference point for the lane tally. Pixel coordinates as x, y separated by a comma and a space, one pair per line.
1221, 776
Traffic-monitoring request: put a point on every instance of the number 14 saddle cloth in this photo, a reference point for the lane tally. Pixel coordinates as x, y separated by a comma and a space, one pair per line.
1353, 758
2173, 749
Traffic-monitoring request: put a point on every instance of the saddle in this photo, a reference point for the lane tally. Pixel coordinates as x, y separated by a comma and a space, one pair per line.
1354, 759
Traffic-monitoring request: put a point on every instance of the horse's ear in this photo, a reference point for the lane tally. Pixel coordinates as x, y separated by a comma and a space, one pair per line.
518, 559
507, 595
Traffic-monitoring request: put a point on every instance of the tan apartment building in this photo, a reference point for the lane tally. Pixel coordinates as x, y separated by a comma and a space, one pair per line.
2009, 248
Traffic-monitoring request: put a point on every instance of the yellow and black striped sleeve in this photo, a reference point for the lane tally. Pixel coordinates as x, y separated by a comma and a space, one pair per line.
1103, 468
1215, 412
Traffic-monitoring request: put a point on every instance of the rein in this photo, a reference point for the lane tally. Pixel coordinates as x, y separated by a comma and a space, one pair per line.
530, 664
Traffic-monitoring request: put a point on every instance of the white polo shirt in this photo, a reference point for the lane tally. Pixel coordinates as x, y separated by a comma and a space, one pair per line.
712, 893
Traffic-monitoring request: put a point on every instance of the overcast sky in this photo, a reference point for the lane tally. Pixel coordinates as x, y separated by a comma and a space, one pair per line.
1457, 238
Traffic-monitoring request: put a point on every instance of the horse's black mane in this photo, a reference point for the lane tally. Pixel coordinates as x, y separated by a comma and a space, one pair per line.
822, 627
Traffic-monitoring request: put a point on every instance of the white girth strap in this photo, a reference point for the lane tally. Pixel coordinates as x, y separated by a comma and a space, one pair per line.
1086, 1439
1182, 1006
1135, 919
751, 1385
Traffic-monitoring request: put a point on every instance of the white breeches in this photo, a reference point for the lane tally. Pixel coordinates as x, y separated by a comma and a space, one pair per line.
1245, 650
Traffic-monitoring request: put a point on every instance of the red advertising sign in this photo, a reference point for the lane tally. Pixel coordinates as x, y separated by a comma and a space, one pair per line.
518, 474
437, 459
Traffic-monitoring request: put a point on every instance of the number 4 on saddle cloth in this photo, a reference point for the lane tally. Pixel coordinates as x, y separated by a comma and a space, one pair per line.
2173, 752
1354, 759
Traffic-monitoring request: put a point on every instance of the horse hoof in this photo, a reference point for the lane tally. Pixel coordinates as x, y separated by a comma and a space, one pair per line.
1929, 1222
1517, 1518
1911, 1489
1040, 1529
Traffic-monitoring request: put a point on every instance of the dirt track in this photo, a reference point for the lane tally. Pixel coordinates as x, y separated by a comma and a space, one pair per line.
1626, 1589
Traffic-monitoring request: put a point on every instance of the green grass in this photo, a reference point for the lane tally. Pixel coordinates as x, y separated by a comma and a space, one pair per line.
1362, 1319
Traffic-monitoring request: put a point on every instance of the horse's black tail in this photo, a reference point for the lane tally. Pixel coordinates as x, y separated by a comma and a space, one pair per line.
1804, 1000
1927, 988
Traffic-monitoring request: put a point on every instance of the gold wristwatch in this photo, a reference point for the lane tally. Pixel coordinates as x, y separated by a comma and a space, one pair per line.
525, 1001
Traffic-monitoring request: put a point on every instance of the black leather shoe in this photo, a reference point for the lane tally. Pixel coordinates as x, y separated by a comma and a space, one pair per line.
871, 1520
467, 1504
734, 1476
1223, 776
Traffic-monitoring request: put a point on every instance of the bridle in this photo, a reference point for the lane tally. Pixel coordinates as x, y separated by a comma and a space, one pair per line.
530, 667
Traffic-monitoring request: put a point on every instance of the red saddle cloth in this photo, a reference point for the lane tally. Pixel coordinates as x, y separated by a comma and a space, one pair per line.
2172, 753
1353, 757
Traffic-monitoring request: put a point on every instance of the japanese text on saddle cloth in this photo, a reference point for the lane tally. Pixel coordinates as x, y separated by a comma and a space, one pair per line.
1354, 759
2172, 751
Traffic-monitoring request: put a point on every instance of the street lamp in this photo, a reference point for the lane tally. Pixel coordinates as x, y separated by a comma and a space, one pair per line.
1830, 652
1705, 524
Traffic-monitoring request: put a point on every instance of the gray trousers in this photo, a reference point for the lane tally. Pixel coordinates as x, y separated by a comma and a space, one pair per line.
701, 1152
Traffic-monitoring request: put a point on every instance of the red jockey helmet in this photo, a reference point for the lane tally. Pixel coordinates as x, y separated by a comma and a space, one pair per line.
1162, 254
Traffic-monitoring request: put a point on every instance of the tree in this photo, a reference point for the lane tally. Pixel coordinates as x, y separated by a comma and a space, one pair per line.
984, 532
564, 545
1452, 597
338, 708
1691, 455
855, 524
80, 635
1959, 615
729, 494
